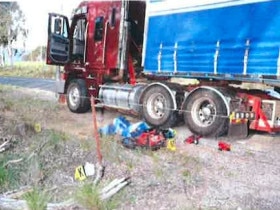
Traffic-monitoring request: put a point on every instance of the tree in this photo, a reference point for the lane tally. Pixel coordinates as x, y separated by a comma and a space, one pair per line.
38, 54
12, 26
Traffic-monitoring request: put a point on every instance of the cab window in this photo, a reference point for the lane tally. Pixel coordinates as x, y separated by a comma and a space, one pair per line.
79, 31
99, 27
79, 39
59, 27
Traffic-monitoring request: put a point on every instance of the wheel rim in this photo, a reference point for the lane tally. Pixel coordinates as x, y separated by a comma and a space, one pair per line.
203, 112
74, 96
156, 106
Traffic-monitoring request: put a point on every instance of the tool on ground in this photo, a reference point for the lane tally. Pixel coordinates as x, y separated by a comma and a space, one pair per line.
193, 139
151, 139
223, 146
114, 187
169, 133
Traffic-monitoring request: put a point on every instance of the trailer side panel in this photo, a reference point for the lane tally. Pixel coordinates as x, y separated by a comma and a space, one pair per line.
220, 39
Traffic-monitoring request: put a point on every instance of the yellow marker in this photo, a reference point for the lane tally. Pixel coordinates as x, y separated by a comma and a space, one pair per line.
171, 145
80, 173
37, 128
238, 121
231, 117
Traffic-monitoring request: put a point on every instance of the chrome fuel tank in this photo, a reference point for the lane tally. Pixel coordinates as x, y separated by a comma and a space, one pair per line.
121, 96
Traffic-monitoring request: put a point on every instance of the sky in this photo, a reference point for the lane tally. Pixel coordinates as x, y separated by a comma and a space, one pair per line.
36, 13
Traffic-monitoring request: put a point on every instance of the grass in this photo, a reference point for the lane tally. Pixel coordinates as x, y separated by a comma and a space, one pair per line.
28, 110
18, 110
87, 144
158, 171
88, 196
33, 166
112, 149
55, 137
37, 199
29, 69
186, 174
4, 177
9, 175
130, 164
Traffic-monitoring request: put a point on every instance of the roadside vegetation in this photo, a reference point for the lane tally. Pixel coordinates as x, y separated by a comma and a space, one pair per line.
41, 158
29, 69
37, 155
22, 129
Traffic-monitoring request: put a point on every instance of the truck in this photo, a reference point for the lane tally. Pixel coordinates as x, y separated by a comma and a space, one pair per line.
140, 56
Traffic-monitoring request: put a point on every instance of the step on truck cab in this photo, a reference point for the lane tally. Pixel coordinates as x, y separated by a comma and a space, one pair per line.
131, 55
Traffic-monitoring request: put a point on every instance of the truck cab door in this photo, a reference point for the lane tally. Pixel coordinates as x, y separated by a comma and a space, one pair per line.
58, 40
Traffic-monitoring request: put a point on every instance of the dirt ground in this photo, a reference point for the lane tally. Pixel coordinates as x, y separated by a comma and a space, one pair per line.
193, 177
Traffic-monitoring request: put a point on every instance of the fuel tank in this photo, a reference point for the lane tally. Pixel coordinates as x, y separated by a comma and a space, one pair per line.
121, 96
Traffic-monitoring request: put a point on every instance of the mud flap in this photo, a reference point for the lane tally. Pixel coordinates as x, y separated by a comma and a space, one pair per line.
238, 130
61, 98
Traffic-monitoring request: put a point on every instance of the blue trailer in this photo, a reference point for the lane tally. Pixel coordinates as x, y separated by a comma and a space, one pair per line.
217, 39
220, 43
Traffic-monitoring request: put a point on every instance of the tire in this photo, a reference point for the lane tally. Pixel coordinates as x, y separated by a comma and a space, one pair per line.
205, 113
77, 97
157, 107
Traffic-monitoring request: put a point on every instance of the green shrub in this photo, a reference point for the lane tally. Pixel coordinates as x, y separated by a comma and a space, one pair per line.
88, 196
36, 199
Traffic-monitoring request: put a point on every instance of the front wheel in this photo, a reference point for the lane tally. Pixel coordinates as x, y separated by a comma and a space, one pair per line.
205, 113
77, 97
157, 107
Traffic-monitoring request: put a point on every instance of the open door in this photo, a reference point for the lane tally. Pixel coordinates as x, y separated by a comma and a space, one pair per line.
58, 40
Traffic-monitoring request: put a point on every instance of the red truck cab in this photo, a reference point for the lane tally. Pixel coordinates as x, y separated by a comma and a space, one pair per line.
96, 47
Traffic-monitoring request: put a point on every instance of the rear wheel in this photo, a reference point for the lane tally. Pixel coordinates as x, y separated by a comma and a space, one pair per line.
158, 108
77, 97
205, 113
